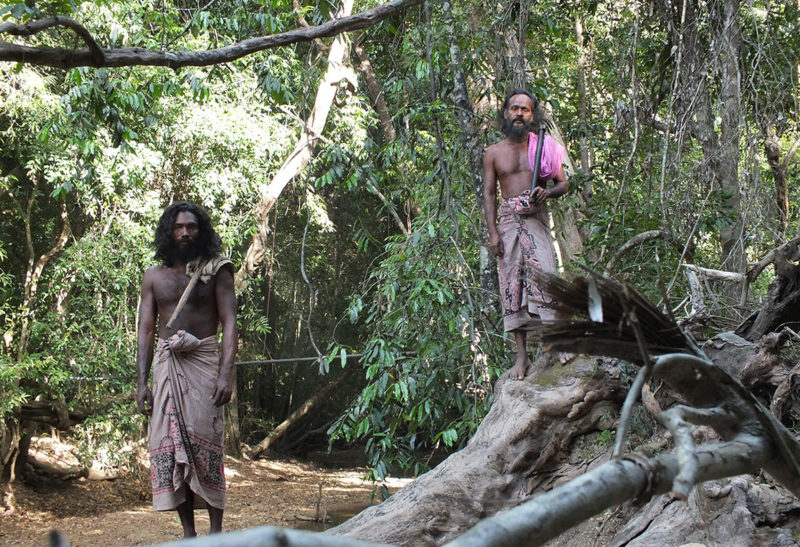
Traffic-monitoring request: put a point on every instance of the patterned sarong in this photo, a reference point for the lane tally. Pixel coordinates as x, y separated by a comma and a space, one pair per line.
186, 429
527, 249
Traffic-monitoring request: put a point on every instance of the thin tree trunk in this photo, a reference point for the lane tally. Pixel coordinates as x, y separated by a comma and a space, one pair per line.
303, 150
583, 108
36, 267
772, 149
730, 99
466, 120
233, 443
375, 93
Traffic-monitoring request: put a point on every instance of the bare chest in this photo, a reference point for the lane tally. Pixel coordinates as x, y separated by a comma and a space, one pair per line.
171, 285
511, 162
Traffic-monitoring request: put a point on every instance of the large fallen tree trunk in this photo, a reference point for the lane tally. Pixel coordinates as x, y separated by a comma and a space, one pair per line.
519, 444
517, 449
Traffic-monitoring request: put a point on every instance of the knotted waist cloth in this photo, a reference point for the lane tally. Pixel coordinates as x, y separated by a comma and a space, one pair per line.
186, 430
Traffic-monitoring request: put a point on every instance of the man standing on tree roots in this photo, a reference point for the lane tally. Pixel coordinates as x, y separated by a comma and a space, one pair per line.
522, 242
188, 295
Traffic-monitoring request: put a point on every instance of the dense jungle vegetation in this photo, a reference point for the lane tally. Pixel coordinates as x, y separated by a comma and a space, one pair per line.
680, 119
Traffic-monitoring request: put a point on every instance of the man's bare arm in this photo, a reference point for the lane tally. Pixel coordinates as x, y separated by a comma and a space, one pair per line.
561, 186
226, 308
145, 338
490, 202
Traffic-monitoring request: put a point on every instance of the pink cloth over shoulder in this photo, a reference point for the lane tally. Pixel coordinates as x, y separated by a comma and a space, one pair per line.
552, 156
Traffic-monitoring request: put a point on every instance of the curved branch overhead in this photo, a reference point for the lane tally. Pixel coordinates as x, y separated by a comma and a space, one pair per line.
134, 56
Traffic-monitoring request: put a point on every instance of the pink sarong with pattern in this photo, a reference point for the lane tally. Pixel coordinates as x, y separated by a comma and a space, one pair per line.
186, 429
528, 248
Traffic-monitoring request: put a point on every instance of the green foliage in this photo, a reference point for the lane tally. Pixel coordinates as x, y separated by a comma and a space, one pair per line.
429, 358
113, 146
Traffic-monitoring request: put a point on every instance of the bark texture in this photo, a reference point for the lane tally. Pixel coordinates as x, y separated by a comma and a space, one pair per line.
718, 425
734, 511
517, 450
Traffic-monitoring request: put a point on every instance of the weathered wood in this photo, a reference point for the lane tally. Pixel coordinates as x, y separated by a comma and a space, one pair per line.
521, 441
782, 304
513, 453
615, 482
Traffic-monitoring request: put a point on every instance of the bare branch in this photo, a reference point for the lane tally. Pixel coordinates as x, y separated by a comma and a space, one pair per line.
34, 27
641, 238
610, 484
754, 272
134, 56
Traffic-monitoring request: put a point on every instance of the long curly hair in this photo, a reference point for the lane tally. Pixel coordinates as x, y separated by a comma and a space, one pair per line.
208, 242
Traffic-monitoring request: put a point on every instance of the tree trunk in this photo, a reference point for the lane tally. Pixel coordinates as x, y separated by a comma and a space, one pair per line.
375, 93
729, 38
303, 150
519, 449
583, 108
233, 439
695, 102
516, 451
466, 119
772, 149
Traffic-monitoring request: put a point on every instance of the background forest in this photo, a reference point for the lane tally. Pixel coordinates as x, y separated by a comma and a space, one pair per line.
680, 119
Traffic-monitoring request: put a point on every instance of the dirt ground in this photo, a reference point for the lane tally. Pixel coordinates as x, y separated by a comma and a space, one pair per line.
117, 512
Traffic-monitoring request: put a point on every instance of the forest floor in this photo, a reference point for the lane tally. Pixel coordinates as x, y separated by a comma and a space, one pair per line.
115, 512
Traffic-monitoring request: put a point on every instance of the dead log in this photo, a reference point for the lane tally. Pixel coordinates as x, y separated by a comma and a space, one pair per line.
320, 397
781, 306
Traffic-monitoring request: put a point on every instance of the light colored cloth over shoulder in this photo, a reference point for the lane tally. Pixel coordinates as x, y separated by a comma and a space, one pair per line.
210, 269
552, 156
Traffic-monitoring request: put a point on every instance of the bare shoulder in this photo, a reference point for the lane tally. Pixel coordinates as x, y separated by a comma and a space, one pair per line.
493, 148
153, 273
492, 152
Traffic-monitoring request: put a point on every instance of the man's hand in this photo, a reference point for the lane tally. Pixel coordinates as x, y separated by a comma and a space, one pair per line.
539, 195
496, 246
144, 401
222, 391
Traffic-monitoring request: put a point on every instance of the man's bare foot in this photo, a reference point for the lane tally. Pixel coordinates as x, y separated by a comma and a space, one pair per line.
520, 368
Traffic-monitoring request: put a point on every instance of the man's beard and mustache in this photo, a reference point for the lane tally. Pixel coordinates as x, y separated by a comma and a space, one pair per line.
183, 253
517, 131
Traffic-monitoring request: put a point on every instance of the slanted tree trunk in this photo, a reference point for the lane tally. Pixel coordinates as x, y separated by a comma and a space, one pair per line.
307, 407
514, 453
376, 94
303, 150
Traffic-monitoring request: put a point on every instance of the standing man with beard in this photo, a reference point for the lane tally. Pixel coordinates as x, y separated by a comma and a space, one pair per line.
522, 241
191, 378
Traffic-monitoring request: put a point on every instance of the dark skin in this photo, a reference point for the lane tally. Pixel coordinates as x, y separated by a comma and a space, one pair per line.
209, 305
506, 163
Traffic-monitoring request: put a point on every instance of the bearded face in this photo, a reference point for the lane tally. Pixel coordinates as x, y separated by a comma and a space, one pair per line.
517, 128
183, 250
